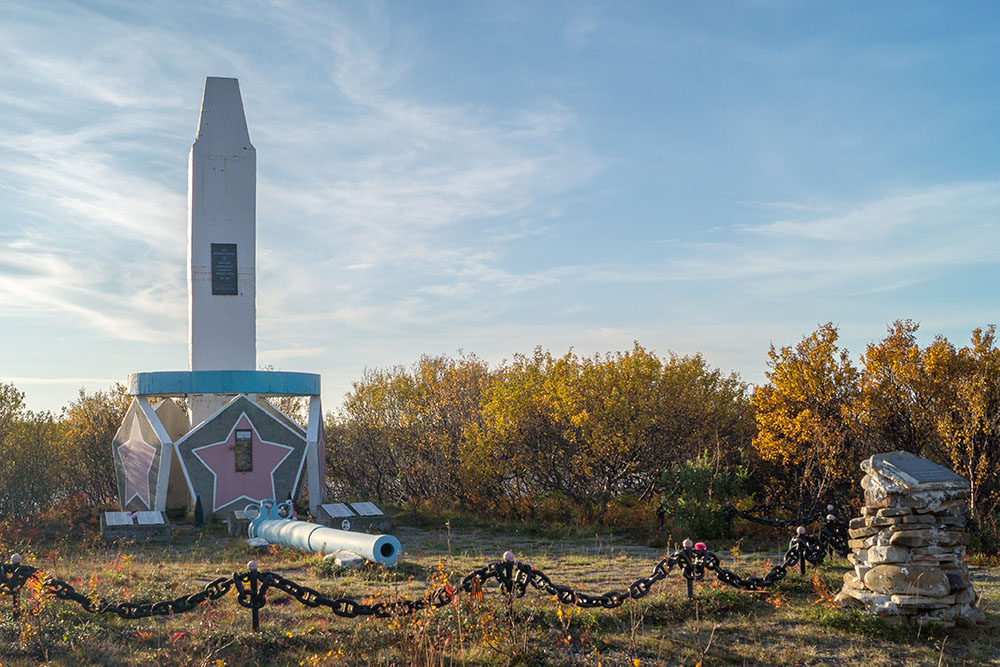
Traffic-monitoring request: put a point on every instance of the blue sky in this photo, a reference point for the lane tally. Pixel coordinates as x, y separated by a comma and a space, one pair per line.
435, 176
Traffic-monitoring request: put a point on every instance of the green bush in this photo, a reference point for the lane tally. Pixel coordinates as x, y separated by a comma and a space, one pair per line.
694, 497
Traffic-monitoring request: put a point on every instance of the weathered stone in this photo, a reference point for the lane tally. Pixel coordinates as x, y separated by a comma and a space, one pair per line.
938, 551
916, 538
922, 600
860, 594
939, 615
258, 543
913, 473
859, 522
893, 512
957, 508
966, 596
845, 599
955, 537
345, 559
861, 533
907, 580
881, 493
856, 544
907, 527
952, 504
883, 605
851, 580
888, 554
879, 501
970, 616
907, 519
872, 601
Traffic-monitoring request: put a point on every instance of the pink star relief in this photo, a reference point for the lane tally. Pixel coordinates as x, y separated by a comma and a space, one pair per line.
137, 459
255, 484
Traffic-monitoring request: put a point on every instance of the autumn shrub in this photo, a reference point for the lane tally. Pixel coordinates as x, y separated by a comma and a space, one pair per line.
30, 465
554, 507
985, 535
70, 518
86, 466
806, 418
818, 416
45, 460
632, 513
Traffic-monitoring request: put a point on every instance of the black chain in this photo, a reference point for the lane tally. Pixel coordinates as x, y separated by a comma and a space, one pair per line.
12, 580
513, 577
348, 607
775, 523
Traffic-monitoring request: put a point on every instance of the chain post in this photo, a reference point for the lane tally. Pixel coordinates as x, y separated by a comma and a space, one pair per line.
800, 548
508, 569
254, 609
15, 610
687, 572
701, 549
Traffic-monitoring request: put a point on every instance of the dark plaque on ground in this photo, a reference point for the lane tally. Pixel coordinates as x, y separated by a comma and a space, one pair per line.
224, 269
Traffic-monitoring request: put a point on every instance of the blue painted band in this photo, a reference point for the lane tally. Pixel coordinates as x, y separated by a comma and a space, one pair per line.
176, 383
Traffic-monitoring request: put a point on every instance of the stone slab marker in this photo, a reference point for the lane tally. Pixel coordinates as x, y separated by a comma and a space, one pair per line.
138, 526
908, 548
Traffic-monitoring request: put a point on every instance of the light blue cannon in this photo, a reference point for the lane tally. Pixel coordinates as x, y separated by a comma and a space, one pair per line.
276, 524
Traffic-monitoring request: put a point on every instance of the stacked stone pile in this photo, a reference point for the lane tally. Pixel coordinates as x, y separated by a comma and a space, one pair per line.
909, 545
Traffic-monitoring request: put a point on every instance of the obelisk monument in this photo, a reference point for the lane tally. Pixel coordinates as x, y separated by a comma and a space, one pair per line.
222, 193
233, 445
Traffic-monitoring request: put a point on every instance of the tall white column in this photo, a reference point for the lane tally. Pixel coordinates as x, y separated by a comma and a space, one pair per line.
222, 192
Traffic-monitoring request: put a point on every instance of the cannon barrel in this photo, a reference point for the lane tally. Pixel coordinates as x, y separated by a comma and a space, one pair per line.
274, 522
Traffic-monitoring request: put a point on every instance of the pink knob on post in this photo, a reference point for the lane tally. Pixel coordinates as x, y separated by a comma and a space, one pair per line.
700, 546
508, 556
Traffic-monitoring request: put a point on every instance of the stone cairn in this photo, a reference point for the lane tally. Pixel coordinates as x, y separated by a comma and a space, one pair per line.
908, 546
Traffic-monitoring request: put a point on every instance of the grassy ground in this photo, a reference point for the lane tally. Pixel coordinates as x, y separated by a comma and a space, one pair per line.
788, 625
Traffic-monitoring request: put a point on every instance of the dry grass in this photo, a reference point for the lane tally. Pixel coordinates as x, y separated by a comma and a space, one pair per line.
789, 625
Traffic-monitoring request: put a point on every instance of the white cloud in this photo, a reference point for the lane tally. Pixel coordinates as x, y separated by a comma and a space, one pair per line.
913, 212
352, 171
881, 245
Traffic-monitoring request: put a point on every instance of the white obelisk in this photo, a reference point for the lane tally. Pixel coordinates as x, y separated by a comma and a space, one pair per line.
222, 194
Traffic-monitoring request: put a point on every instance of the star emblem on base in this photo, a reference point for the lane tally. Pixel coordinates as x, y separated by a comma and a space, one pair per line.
137, 460
253, 485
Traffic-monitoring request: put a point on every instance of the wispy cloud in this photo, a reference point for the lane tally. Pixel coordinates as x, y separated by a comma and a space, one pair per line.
76, 382
581, 26
357, 172
919, 212
885, 244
